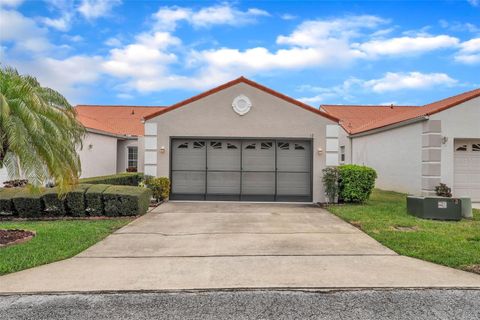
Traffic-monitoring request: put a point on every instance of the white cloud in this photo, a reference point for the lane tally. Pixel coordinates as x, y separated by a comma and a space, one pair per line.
469, 52
406, 45
474, 3
167, 18
62, 23
288, 16
10, 3
113, 42
93, 9
24, 32
392, 81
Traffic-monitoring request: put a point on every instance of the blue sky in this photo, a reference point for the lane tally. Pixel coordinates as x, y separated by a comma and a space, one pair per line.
321, 52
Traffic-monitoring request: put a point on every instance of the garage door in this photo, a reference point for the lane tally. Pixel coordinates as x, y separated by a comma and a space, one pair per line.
241, 169
467, 169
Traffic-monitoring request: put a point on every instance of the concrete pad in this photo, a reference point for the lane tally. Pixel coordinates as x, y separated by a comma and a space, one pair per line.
155, 245
108, 274
178, 223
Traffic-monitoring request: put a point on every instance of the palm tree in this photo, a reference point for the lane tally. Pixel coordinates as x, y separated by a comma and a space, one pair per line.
39, 133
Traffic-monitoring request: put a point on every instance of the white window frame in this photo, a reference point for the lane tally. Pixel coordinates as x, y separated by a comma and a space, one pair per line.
342, 154
128, 156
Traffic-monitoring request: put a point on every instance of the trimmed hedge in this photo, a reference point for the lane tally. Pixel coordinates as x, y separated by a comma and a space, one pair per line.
120, 179
75, 200
54, 205
124, 200
94, 199
6, 202
356, 182
28, 204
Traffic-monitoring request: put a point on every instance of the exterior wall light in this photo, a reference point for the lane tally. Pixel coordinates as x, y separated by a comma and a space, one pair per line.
444, 140
319, 151
90, 146
162, 149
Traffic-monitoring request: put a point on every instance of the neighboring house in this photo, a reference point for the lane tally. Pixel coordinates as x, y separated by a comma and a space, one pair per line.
413, 149
114, 139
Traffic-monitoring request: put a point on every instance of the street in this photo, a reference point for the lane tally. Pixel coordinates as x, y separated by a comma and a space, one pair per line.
357, 304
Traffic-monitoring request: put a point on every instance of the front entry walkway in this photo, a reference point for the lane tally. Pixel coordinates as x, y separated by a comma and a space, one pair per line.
235, 245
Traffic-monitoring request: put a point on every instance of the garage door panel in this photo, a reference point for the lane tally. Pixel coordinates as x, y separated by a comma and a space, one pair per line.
189, 155
467, 169
293, 156
188, 182
258, 183
258, 155
226, 183
297, 184
223, 155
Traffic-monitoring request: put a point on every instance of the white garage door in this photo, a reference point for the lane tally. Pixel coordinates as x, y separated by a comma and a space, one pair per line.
467, 169
241, 169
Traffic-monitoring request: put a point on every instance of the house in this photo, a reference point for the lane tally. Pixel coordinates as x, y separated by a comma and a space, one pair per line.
414, 148
114, 139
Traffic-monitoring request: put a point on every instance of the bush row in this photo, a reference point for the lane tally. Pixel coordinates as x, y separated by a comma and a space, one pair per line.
83, 200
120, 179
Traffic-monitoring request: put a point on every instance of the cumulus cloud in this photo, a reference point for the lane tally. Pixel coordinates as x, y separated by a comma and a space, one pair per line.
392, 81
167, 18
10, 3
475, 3
469, 52
406, 45
93, 9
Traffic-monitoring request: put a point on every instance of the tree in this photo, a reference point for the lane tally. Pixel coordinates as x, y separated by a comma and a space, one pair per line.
39, 133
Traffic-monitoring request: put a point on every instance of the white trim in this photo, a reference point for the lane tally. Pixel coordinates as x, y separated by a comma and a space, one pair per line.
331, 159
332, 145
150, 157
150, 128
332, 131
150, 170
151, 143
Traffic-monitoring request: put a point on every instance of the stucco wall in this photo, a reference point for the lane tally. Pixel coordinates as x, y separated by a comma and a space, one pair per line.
99, 159
395, 154
122, 153
462, 121
270, 116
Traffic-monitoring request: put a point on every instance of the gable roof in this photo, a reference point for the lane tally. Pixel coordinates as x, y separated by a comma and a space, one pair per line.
251, 83
384, 118
354, 117
120, 120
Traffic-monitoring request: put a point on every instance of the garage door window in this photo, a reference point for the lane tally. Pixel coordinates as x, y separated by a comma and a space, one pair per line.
476, 147
463, 147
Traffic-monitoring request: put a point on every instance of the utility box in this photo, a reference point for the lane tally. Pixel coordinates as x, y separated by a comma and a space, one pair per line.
467, 208
437, 208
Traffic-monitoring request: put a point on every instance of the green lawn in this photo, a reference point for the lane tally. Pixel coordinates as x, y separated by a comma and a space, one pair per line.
55, 240
454, 244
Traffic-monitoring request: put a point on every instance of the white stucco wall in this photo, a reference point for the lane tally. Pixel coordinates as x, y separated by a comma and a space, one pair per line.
459, 122
395, 154
213, 116
99, 159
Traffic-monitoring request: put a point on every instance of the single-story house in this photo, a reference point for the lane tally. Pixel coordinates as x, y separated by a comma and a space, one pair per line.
244, 141
415, 148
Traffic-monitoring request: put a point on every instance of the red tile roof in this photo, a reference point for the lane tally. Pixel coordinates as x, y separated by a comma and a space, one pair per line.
251, 83
121, 120
358, 119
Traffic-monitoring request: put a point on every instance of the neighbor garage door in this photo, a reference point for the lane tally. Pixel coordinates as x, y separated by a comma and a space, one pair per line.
467, 169
241, 169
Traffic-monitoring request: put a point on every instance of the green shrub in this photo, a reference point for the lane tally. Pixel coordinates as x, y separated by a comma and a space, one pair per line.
75, 200
94, 199
160, 187
54, 205
126, 200
6, 203
356, 182
121, 179
28, 204
330, 183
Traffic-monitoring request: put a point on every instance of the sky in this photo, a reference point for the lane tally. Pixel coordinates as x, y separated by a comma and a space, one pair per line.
320, 52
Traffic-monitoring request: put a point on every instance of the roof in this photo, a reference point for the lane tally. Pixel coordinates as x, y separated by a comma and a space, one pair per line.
355, 119
120, 120
251, 83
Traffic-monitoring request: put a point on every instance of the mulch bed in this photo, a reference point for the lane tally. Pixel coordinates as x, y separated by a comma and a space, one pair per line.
14, 236
473, 268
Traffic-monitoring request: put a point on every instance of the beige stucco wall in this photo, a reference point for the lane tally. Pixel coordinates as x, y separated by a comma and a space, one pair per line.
270, 116
101, 158
459, 122
395, 154
122, 153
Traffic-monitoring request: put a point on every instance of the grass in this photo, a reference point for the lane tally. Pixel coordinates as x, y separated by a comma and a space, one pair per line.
55, 240
453, 244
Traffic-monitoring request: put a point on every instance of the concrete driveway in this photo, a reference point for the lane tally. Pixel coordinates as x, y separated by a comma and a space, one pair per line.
235, 245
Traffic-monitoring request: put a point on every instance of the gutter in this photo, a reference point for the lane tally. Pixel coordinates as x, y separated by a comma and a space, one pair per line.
389, 127
113, 135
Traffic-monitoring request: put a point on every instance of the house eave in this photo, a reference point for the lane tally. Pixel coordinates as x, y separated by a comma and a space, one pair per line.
389, 127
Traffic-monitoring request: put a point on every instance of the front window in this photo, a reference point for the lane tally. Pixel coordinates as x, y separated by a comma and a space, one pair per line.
342, 154
132, 158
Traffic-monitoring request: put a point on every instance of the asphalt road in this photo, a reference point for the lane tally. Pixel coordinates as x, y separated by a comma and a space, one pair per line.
360, 304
